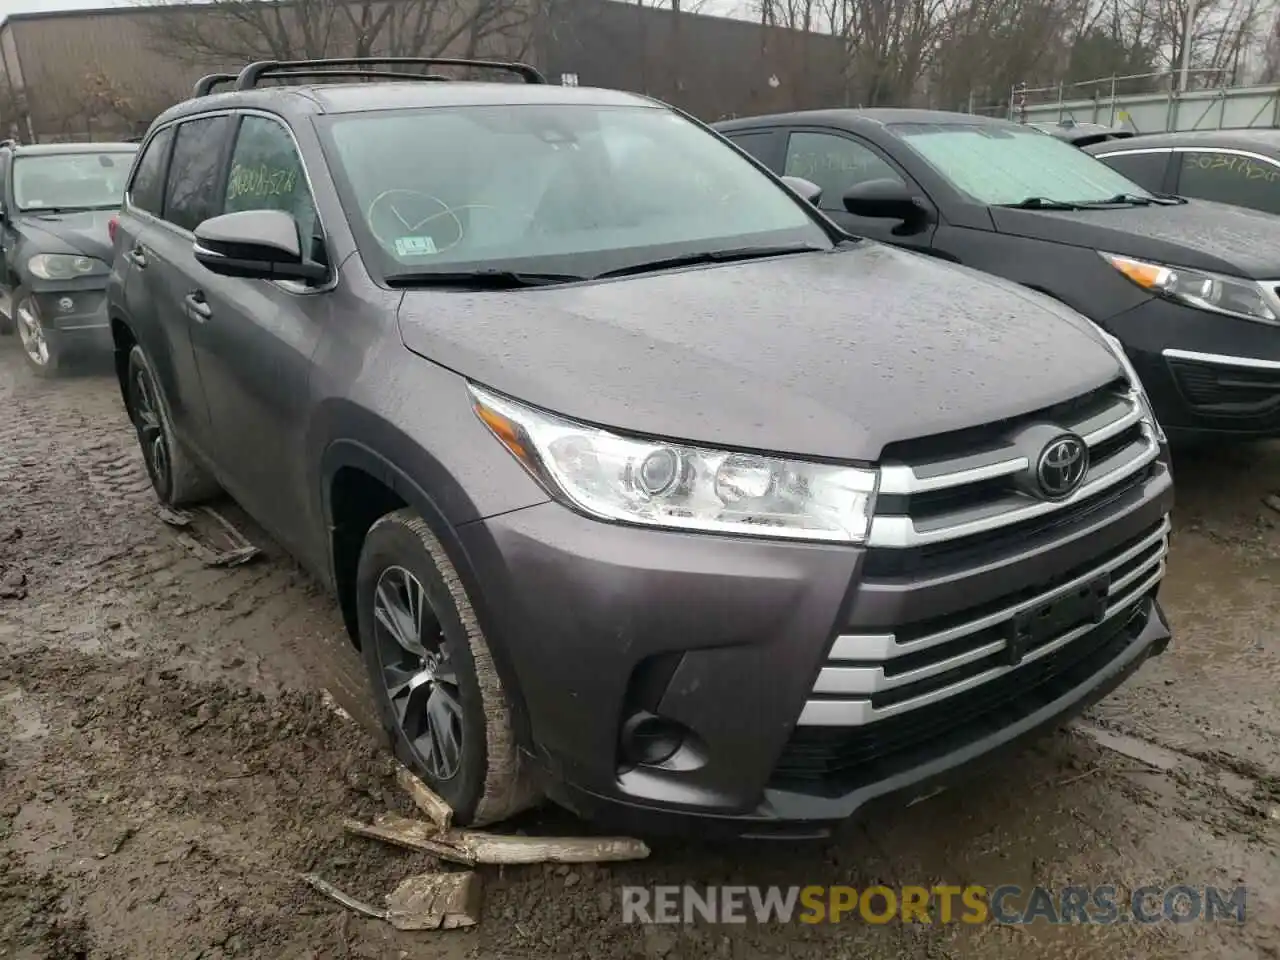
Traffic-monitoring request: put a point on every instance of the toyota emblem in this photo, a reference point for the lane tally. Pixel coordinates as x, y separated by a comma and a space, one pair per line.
1062, 466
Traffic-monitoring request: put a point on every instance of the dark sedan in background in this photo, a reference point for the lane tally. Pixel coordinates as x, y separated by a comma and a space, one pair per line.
1239, 167
1082, 133
1190, 288
56, 201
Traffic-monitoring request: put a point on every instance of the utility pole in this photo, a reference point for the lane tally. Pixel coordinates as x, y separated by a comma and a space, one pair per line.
1186, 45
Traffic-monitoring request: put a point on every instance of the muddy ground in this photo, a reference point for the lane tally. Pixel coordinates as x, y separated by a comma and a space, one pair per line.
168, 766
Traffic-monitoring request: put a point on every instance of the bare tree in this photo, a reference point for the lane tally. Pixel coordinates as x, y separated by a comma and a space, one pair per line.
229, 32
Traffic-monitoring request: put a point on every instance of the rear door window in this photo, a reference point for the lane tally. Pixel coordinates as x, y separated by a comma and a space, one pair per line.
1145, 169
146, 192
1230, 178
194, 190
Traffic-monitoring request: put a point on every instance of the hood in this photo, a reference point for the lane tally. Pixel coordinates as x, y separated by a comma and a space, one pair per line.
1196, 234
84, 232
826, 355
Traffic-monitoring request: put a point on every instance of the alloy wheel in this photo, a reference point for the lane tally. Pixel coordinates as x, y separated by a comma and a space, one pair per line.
31, 332
417, 674
151, 437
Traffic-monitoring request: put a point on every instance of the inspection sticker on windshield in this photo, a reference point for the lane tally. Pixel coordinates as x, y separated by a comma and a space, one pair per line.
415, 246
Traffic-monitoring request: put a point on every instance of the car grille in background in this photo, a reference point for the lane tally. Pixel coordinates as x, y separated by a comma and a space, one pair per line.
1227, 391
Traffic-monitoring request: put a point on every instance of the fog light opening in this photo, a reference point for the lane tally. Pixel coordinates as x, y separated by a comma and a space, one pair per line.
649, 740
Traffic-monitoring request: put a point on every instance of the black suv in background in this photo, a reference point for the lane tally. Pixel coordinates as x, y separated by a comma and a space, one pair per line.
637, 481
56, 201
1191, 289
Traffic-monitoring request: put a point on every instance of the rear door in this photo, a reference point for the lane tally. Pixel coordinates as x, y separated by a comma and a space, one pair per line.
196, 170
254, 340
145, 280
1237, 177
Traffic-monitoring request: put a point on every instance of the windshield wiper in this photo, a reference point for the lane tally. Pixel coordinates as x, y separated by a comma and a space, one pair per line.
480, 279
1123, 199
710, 256
1041, 203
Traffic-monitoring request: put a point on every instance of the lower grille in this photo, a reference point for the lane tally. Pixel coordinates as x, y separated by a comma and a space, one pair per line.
836, 760
1227, 391
869, 678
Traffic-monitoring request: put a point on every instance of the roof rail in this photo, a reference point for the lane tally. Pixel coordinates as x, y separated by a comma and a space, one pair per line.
363, 66
354, 74
204, 86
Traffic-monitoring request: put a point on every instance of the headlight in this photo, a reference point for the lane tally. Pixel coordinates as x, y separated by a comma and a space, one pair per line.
1135, 383
679, 486
64, 266
1233, 296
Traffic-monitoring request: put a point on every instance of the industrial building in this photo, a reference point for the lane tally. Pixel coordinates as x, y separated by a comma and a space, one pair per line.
104, 73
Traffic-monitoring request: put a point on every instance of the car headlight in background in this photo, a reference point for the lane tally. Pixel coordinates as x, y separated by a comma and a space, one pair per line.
1135, 383
1234, 296
682, 486
65, 266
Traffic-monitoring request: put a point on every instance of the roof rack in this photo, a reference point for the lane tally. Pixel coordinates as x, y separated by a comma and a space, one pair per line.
204, 86
364, 67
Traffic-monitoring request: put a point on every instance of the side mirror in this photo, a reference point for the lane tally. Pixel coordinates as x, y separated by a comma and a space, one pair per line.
807, 189
255, 245
883, 199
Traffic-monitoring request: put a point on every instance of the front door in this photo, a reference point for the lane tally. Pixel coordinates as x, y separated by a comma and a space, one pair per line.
254, 341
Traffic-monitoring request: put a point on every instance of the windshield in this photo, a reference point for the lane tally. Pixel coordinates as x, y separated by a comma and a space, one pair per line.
579, 189
71, 181
1007, 164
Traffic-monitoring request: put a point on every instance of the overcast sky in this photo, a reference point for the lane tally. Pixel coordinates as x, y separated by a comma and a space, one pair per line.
36, 6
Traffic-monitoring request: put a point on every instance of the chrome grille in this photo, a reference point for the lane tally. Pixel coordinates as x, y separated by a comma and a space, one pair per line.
869, 677
949, 498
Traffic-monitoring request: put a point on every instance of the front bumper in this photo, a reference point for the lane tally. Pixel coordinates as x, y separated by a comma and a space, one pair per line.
77, 317
1206, 374
728, 639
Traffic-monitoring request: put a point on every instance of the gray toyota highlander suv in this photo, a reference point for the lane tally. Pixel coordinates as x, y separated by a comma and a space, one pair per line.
640, 484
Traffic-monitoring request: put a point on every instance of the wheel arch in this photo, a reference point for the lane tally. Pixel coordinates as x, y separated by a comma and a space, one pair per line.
358, 486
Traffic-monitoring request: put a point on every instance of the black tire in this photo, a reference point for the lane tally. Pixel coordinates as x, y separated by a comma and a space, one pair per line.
41, 348
491, 781
176, 478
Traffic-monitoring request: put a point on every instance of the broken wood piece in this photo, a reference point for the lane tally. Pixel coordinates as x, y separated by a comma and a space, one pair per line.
348, 901
494, 848
469, 847
174, 518
425, 799
435, 901
410, 834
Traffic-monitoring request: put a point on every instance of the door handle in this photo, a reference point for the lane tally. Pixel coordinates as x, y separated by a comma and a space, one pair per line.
138, 256
199, 306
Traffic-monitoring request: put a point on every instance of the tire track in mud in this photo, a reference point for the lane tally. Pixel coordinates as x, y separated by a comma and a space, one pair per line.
101, 567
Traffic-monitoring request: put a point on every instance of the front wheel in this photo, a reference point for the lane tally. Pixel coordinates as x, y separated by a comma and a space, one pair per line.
433, 678
41, 347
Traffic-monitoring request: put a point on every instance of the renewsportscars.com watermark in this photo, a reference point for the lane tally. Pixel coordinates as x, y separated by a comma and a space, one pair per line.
1006, 904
